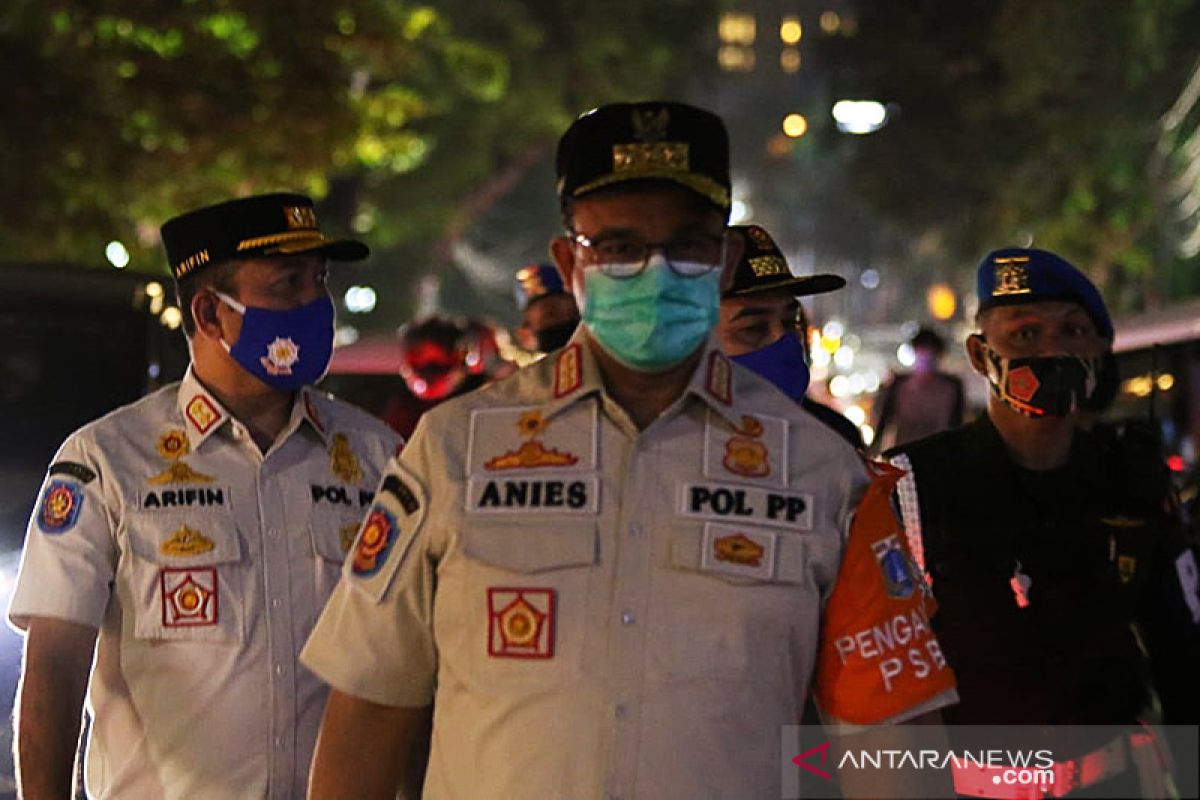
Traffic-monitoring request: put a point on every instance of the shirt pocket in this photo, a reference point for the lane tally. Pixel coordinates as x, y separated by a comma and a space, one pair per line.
186, 577
525, 600
331, 534
736, 603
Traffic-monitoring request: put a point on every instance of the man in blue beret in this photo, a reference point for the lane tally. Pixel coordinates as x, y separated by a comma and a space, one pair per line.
1051, 564
548, 312
184, 544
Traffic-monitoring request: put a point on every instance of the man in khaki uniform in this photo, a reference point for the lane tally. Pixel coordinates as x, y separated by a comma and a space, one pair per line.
198, 532
606, 573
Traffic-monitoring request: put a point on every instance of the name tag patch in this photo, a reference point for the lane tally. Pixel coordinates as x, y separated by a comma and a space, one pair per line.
341, 496
520, 623
740, 551
189, 597
558, 494
184, 498
748, 503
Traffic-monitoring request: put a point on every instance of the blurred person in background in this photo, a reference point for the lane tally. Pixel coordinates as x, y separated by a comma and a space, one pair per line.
548, 312
486, 346
433, 364
184, 544
922, 402
762, 324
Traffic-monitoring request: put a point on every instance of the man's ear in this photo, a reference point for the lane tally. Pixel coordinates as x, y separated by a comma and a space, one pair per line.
204, 312
562, 252
977, 353
735, 245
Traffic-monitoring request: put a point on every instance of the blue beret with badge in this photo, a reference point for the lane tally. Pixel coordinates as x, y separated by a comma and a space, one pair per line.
250, 227
1017, 275
537, 280
646, 141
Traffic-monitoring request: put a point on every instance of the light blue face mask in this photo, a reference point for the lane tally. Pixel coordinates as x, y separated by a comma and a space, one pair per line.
655, 319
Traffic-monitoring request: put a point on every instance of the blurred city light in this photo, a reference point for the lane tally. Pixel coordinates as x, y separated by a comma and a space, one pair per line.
906, 355
344, 335
868, 434
844, 357
789, 60
739, 211
839, 386
833, 330
855, 414
869, 279
360, 299
736, 28
830, 22
153, 289
171, 317
859, 116
795, 125
790, 30
116, 254
941, 301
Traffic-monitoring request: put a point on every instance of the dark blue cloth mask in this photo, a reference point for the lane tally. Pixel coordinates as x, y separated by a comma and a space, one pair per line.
782, 363
284, 349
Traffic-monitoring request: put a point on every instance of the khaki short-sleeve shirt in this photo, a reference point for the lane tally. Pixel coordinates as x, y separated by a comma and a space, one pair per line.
593, 610
204, 564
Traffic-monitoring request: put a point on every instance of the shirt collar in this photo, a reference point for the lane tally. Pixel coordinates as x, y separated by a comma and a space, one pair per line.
713, 383
203, 413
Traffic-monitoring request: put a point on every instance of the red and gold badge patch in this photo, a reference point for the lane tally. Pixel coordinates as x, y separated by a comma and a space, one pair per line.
745, 454
738, 549
173, 445
202, 413
378, 534
59, 510
520, 623
532, 454
189, 597
719, 380
568, 371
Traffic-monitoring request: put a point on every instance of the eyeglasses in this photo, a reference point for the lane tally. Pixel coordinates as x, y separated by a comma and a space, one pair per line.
624, 257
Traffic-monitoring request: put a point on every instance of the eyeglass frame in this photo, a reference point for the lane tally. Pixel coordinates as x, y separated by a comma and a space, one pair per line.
649, 247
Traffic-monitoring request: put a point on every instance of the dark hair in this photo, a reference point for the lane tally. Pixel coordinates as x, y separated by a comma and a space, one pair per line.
216, 276
928, 337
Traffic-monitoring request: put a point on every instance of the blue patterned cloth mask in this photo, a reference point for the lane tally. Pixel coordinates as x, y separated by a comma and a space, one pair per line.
284, 349
782, 363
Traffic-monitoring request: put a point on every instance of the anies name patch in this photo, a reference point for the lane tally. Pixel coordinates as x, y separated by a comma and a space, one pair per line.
191, 497
747, 504
340, 496
566, 494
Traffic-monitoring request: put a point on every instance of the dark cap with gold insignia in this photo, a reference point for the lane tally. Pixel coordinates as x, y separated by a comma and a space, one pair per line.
535, 281
1018, 275
646, 141
250, 227
763, 268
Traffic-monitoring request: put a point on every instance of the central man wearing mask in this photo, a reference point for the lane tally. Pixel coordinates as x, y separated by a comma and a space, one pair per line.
615, 572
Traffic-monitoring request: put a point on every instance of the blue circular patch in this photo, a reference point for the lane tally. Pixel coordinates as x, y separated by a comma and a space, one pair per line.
61, 503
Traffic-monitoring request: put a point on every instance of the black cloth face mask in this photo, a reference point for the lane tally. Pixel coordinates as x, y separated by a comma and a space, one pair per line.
1043, 386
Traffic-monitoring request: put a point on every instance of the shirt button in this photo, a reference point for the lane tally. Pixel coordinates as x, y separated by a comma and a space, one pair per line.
273, 534
279, 741
279, 669
276, 602
635, 529
620, 712
627, 618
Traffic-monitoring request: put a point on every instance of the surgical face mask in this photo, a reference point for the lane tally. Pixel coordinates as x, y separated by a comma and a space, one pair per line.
284, 349
782, 363
555, 336
1043, 386
653, 320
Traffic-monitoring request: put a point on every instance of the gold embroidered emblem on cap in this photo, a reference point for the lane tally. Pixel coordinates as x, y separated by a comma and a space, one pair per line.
180, 472
660, 156
760, 238
186, 542
343, 461
173, 445
300, 217
1012, 276
190, 263
763, 266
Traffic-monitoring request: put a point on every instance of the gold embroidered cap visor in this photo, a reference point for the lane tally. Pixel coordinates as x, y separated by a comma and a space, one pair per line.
763, 268
646, 141
250, 227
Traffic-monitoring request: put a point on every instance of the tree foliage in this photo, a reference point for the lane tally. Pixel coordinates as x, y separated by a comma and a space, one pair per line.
1022, 121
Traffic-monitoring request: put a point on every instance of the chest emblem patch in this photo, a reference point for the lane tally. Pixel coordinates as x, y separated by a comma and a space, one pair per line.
173, 445
281, 355
343, 461
893, 564
186, 542
520, 623
745, 454
532, 453
60, 507
378, 534
189, 598
738, 549
179, 472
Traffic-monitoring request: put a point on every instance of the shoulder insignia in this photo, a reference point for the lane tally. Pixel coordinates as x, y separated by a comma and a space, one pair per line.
74, 470
719, 380
180, 472
532, 453
186, 542
202, 413
343, 461
377, 537
61, 503
568, 371
173, 445
397, 488
745, 454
